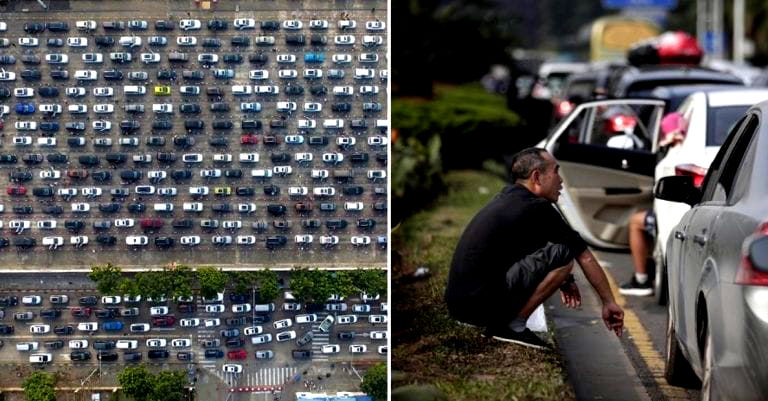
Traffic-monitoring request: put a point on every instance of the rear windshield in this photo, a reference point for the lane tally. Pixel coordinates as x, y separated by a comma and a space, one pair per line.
720, 121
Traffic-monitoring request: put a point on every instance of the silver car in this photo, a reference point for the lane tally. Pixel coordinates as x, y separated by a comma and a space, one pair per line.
717, 265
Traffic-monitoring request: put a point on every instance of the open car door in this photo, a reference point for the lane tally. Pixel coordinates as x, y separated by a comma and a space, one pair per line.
607, 155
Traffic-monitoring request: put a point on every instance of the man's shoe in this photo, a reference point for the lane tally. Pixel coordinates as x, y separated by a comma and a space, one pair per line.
634, 288
525, 338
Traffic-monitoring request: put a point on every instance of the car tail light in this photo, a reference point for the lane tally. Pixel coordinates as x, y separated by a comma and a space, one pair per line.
754, 244
621, 123
564, 108
697, 172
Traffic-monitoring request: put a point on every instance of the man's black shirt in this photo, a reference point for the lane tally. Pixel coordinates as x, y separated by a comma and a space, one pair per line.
514, 224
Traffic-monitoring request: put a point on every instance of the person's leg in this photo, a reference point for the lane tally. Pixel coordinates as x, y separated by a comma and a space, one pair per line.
639, 246
545, 289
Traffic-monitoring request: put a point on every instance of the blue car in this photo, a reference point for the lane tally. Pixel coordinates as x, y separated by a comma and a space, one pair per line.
25, 108
51, 126
314, 57
214, 353
113, 326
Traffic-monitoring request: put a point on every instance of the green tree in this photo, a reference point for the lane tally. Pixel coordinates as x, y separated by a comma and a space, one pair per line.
343, 283
375, 382
149, 285
128, 286
182, 278
301, 283
137, 382
244, 280
169, 386
311, 284
106, 278
269, 288
39, 386
370, 281
212, 281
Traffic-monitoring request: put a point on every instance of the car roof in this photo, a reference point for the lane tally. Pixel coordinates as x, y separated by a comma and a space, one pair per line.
659, 75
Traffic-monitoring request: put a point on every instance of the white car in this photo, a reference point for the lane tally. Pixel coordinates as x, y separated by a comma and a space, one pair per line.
78, 344
286, 106
345, 141
232, 368
31, 300
377, 140
319, 174
292, 24
294, 140
358, 348
193, 207
23, 92
313, 107
139, 327
57, 58
28, 42
375, 25
347, 90
190, 24
9, 75
88, 25
330, 349
111, 300
258, 74
261, 339
91, 191
342, 58
181, 343
372, 40
148, 58
101, 125
369, 90
377, 319
344, 39
194, 322
286, 58
303, 319
103, 108
252, 330
215, 308
76, 92
266, 89
297, 191
86, 75
25, 125
346, 319
190, 240
324, 191
156, 342
162, 108
158, 311
137, 240
361, 240
318, 24
306, 124
130, 41
282, 324
186, 40
212, 322
361, 308
378, 335
245, 23
92, 58
241, 308
246, 239
127, 344
50, 174
329, 240
333, 158
80, 207
124, 222
287, 74
347, 24
77, 108
77, 42
88, 326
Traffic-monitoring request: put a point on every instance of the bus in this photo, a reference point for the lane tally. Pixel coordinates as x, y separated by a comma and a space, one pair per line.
611, 37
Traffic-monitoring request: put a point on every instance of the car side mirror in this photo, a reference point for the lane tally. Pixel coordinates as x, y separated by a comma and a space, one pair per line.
758, 254
678, 189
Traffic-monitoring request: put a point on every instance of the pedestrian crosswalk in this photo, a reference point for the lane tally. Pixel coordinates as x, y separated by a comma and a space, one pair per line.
276, 376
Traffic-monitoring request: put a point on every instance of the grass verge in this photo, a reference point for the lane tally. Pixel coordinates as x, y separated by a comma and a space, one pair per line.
431, 348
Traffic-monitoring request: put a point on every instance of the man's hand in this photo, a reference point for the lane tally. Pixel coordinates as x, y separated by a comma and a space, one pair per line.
569, 294
613, 316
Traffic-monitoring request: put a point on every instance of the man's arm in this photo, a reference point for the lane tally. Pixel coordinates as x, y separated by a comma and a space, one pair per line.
613, 315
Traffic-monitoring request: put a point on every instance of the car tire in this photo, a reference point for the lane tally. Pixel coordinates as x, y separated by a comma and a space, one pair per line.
677, 369
660, 286
707, 364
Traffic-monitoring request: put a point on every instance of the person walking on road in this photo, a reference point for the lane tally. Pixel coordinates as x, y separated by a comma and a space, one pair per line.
516, 252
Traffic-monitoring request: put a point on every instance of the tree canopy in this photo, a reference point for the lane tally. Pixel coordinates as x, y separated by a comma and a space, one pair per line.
375, 382
211, 280
107, 277
137, 382
39, 386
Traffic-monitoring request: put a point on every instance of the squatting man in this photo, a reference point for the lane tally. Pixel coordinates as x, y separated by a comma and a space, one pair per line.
517, 251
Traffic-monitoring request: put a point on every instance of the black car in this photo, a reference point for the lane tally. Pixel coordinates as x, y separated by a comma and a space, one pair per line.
184, 356
233, 173
276, 241
218, 141
24, 242
113, 75
164, 157
23, 209
310, 223
162, 125
219, 107
318, 140
166, 74
42, 191
184, 223
346, 335
221, 207
276, 210
217, 25
265, 318
336, 224
294, 90
341, 107
101, 176
48, 91
8, 159
234, 342
9, 301
271, 190
270, 25
301, 354
49, 126
55, 42
164, 25
235, 321
59, 74
104, 41
88, 160
31, 74
57, 158
34, 28
136, 207
193, 75
155, 141
280, 157
5, 92
6, 329
50, 313
244, 191
183, 141
318, 90
318, 40
258, 58
63, 330
214, 353
88, 300
353, 190
116, 158
194, 124
74, 126
158, 354
214, 91
238, 298
211, 42
74, 225
358, 157
30, 59
250, 124
79, 355
109, 207
164, 242
104, 313
58, 26
106, 356
130, 175
190, 108
240, 41
132, 356
106, 239
181, 174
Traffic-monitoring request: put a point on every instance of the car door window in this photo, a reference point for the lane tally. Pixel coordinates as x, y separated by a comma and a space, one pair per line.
623, 126
719, 183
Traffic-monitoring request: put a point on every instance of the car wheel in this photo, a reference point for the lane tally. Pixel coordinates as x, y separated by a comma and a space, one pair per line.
677, 370
707, 391
660, 290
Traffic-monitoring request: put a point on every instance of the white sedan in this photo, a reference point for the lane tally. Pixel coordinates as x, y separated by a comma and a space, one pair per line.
252, 330
212, 322
232, 368
282, 324
181, 343
78, 344
103, 108
89, 326
330, 349
377, 319
158, 311
186, 40
39, 328
194, 322
77, 42
245, 23
111, 300
191, 240
124, 222
241, 308
136, 240
156, 342
32, 300
214, 308
378, 335
358, 348
190, 24
346, 319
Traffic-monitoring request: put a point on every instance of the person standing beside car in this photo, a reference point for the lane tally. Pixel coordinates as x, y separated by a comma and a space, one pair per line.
516, 252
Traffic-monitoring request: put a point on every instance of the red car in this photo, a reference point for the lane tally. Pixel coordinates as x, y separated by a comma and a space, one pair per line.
151, 223
81, 312
16, 190
249, 139
303, 207
237, 354
80, 174
163, 321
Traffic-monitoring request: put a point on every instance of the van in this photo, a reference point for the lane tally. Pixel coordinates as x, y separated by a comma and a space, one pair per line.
127, 344
163, 207
134, 90
261, 173
333, 123
342, 174
178, 57
30, 346
264, 308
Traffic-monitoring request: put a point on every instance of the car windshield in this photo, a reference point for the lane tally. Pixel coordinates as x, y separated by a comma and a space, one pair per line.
720, 121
